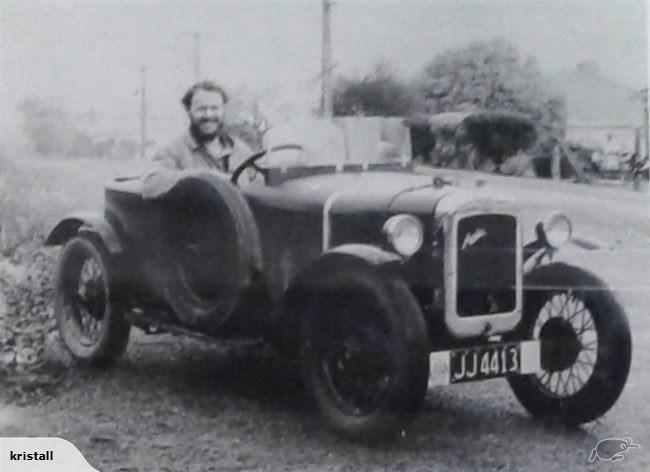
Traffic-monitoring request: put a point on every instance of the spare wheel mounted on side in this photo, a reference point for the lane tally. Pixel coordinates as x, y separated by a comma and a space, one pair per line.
211, 250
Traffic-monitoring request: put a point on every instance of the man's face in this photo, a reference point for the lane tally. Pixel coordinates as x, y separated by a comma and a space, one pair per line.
206, 113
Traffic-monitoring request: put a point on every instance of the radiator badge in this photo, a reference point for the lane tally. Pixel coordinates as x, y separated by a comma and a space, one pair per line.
472, 238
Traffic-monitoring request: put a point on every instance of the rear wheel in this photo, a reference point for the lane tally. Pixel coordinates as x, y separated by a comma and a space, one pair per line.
585, 345
89, 318
364, 355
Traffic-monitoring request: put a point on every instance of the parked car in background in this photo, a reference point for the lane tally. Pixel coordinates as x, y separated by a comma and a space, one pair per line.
495, 142
470, 140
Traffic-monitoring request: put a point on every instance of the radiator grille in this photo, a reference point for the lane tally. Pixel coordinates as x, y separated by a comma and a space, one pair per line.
486, 265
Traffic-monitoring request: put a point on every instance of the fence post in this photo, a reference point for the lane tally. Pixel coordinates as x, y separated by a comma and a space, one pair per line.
556, 168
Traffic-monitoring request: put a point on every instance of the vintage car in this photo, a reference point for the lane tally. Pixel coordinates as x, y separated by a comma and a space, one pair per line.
382, 282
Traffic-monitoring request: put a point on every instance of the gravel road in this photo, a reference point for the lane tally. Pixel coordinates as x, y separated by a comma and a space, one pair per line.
175, 404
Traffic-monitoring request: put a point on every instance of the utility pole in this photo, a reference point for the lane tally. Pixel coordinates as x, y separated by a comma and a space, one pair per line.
642, 141
197, 56
645, 95
326, 66
556, 163
143, 112
646, 121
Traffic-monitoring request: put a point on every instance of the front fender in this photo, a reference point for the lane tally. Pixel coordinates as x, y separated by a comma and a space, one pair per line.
536, 253
587, 243
310, 279
85, 222
344, 256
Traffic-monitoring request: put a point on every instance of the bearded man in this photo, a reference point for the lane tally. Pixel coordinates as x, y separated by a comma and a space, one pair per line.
205, 145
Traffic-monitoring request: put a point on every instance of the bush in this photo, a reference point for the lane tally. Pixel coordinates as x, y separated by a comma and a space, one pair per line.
30, 202
30, 351
379, 93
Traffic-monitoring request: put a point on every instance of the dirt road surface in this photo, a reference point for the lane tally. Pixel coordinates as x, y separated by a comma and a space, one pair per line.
174, 404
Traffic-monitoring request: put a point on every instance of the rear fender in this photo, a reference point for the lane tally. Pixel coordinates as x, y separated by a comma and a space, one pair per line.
85, 222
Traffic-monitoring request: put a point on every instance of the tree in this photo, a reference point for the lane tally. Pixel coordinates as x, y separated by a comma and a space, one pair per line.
51, 131
378, 93
491, 76
45, 125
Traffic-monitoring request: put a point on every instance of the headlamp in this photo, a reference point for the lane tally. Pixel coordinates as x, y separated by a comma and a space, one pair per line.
404, 233
554, 230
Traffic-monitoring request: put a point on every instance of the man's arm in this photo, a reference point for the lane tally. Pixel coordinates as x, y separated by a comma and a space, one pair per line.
162, 174
164, 159
240, 152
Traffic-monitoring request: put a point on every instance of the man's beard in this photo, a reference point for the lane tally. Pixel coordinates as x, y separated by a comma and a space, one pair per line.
201, 136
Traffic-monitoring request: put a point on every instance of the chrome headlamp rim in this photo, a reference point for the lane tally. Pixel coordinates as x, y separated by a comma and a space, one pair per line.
391, 227
555, 230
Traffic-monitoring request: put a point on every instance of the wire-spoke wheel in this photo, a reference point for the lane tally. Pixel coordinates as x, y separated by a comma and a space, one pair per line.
88, 303
569, 344
356, 357
585, 345
89, 320
364, 353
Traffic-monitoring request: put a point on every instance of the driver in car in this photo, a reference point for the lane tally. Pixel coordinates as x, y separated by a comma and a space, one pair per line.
205, 145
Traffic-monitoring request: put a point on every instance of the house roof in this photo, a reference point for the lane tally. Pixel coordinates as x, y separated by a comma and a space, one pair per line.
592, 98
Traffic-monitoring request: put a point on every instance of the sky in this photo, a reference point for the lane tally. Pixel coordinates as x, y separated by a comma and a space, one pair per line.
88, 54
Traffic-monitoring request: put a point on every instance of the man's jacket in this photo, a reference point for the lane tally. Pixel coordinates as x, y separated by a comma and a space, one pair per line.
223, 154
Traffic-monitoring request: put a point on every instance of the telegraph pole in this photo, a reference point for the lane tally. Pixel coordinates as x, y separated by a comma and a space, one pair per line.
642, 141
326, 66
143, 112
645, 95
197, 56
642, 96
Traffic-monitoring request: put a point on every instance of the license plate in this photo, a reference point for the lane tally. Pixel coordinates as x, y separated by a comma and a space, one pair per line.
483, 362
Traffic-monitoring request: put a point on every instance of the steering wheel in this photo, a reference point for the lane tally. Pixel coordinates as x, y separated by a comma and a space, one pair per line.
252, 160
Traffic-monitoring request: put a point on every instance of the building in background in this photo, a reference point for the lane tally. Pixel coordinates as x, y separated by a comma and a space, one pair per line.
603, 117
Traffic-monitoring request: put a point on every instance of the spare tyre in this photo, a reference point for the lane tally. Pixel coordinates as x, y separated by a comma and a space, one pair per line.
212, 249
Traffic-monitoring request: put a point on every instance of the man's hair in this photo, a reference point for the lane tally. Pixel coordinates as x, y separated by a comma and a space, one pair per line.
206, 85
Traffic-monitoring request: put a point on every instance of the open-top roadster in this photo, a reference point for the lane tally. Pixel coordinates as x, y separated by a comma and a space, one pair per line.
382, 281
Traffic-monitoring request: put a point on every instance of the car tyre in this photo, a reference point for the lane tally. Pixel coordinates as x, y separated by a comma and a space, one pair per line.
586, 345
364, 354
89, 317
204, 286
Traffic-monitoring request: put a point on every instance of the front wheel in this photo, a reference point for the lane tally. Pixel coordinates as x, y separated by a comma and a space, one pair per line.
364, 354
585, 344
88, 315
